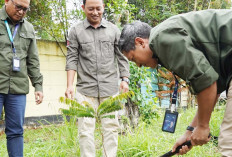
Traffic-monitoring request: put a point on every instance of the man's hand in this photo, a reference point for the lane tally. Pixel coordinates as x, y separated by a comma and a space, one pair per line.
124, 87
181, 140
38, 97
69, 92
200, 136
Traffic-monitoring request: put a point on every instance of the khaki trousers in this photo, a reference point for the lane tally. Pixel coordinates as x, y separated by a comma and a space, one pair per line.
86, 127
225, 137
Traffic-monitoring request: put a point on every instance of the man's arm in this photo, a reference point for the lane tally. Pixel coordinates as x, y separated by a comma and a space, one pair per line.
206, 102
70, 77
123, 64
33, 69
71, 61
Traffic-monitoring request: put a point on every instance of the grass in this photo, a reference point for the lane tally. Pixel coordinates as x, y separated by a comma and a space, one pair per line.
144, 141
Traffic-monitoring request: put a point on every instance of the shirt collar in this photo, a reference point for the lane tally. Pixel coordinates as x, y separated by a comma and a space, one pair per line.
87, 24
4, 15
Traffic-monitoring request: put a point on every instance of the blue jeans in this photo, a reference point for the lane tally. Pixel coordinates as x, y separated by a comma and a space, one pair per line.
14, 106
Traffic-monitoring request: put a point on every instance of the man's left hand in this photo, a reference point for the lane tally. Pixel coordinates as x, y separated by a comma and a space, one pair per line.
38, 97
124, 87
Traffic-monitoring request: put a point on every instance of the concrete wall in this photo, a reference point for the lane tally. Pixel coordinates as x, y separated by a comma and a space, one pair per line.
52, 64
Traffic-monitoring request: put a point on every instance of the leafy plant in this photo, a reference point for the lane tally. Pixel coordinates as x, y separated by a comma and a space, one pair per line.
146, 102
85, 109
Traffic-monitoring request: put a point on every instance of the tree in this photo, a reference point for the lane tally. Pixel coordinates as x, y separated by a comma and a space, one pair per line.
52, 18
155, 11
119, 12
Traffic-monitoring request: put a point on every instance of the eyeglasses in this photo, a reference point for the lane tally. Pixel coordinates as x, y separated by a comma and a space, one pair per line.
19, 7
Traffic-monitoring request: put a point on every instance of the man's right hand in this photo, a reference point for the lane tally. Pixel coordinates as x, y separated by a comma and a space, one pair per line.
69, 92
200, 136
181, 140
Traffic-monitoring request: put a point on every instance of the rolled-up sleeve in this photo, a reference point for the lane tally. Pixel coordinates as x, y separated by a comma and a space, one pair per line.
72, 51
178, 54
123, 63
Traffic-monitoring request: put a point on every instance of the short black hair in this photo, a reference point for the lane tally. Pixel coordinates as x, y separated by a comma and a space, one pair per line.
84, 1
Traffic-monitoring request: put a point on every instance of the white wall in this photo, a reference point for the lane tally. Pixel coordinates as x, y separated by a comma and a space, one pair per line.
52, 64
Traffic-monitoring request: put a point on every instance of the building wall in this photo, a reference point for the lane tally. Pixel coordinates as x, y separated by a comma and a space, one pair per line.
52, 64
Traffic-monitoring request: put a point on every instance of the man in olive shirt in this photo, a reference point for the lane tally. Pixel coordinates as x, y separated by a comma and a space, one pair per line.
196, 46
93, 53
18, 60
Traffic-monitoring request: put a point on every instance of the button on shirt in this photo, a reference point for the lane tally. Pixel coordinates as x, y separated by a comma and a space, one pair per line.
26, 50
94, 54
197, 46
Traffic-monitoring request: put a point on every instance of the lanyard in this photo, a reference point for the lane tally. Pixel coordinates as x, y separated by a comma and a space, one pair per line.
10, 35
174, 95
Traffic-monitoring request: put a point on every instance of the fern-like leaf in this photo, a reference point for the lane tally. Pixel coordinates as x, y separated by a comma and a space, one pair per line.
85, 109
109, 116
115, 106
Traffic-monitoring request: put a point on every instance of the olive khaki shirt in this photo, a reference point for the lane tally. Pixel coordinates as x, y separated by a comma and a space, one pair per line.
197, 46
25, 43
95, 55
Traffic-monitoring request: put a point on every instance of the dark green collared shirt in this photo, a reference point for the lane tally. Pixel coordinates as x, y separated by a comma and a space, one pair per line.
95, 55
197, 46
26, 50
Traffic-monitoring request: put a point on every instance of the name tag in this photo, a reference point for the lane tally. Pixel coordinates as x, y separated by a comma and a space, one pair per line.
169, 123
16, 64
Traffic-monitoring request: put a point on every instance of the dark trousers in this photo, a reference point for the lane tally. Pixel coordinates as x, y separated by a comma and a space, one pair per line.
14, 106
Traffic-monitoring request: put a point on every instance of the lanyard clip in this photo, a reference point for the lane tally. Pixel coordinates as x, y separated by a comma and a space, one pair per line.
13, 49
173, 108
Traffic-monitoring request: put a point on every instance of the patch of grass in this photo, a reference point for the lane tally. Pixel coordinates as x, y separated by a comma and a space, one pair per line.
145, 141
150, 141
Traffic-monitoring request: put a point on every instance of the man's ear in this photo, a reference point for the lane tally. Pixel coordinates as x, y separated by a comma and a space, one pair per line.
83, 7
139, 41
6, 1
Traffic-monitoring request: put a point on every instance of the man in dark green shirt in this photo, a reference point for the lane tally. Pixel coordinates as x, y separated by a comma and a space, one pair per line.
18, 61
196, 46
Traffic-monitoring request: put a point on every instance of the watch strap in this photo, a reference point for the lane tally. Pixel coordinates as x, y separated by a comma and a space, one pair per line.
190, 128
126, 80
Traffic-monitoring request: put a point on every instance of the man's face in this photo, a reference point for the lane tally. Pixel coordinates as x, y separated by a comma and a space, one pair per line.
142, 55
93, 10
16, 9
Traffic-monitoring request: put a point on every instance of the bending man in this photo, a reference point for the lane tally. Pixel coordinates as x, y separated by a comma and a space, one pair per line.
196, 46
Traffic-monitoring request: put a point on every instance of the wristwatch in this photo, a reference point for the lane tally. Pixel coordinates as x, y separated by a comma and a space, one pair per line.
190, 128
126, 80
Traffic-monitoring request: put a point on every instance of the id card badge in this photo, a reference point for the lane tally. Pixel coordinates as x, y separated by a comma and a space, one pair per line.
169, 123
16, 64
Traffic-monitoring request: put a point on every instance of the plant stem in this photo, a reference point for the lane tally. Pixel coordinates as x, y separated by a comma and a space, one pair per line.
98, 120
103, 145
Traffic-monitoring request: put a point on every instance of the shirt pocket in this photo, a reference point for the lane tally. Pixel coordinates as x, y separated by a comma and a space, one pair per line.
3, 39
87, 50
25, 40
107, 48
87, 57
